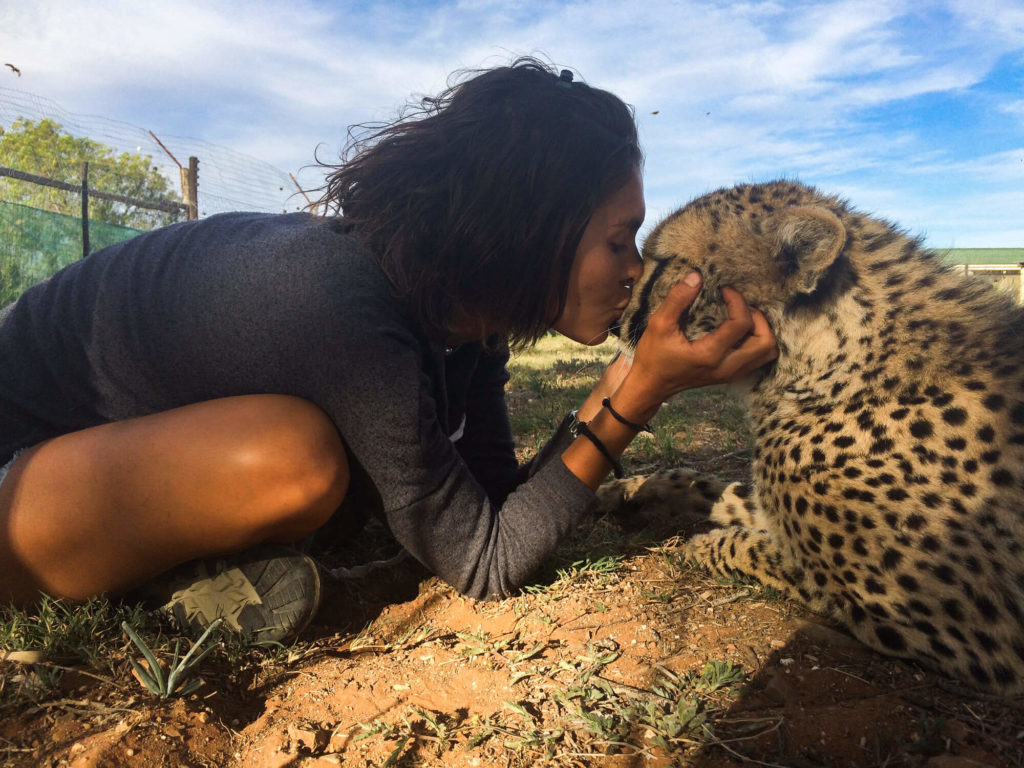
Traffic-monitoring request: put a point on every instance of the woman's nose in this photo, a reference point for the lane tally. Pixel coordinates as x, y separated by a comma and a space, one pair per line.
636, 264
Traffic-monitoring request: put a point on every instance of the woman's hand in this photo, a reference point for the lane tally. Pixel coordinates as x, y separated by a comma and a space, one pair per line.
666, 362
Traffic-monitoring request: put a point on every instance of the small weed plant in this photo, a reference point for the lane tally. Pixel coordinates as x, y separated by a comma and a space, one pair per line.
177, 680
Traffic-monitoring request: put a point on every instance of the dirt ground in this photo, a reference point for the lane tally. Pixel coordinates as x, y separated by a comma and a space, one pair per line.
631, 660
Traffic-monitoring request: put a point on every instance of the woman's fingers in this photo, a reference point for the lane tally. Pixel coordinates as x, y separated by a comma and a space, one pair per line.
734, 330
742, 343
762, 338
756, 349
739, 311
680, 296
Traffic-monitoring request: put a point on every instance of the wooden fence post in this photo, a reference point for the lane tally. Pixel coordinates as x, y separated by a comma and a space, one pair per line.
189, 181
85, 209
190, 187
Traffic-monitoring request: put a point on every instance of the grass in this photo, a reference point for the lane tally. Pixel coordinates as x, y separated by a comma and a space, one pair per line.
91, 637
696, 427
72, 633
64, 635
560, 704
599, 572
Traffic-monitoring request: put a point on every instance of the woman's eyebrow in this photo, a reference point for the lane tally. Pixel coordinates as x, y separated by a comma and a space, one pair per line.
633, 224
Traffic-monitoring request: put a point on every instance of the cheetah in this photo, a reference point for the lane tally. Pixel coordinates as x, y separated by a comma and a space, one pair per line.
888, 475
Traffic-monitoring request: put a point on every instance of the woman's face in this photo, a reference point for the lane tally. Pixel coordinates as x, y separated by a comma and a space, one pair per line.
606, 266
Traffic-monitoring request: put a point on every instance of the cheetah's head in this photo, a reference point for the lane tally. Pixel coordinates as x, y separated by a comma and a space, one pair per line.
774, 243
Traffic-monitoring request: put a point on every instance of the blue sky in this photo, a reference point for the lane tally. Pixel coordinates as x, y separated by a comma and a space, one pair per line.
913, 110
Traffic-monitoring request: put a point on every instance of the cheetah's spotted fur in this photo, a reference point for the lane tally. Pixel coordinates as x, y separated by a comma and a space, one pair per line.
888, 479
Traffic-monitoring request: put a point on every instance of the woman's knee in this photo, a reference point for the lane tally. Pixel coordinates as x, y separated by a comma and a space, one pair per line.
296, 455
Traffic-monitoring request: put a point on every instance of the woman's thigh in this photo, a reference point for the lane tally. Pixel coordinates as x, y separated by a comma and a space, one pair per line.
105, 508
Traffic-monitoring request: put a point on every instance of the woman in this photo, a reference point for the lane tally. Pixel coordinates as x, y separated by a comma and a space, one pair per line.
219, 385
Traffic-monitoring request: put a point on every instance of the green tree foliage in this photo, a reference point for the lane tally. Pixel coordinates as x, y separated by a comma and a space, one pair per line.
40, 228
44, 148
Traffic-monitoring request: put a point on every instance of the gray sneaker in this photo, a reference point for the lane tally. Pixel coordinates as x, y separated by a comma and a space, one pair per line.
270, 593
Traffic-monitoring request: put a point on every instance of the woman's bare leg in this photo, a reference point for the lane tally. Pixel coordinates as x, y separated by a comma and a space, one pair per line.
106, 508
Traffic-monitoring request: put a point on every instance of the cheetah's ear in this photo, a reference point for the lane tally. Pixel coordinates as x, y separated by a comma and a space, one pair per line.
808, 240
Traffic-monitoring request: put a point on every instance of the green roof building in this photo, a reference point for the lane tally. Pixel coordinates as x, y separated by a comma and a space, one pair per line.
983, 255
1003, 267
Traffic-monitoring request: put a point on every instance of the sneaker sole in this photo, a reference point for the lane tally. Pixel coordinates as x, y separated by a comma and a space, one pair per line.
271, 597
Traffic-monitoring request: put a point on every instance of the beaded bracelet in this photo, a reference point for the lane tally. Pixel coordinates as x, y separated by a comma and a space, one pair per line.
607, 403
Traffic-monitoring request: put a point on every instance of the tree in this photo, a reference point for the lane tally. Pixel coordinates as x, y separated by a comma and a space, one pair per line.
44, 148
40, 227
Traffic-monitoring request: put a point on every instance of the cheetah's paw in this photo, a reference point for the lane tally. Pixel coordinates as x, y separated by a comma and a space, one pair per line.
676, 496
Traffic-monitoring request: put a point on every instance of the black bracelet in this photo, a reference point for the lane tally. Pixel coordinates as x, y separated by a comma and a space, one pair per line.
607, 403
582, 428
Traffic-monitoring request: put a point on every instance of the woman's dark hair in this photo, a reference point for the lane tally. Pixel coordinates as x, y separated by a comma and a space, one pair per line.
474, 201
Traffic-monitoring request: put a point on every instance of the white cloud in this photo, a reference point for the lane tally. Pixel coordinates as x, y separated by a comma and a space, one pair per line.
988, 19
787, 84
1015, 108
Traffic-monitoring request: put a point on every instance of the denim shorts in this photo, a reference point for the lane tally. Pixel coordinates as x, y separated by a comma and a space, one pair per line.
6, 467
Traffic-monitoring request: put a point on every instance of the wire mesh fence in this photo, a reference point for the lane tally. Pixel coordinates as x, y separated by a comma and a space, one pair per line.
139, 181
35, 243
228, 180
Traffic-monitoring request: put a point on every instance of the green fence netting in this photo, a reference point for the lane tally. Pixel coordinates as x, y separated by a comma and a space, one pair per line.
35, 243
